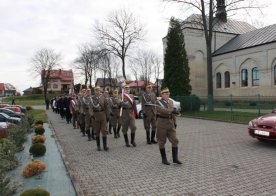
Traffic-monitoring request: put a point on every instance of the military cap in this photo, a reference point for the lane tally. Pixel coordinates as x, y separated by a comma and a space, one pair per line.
148, 86
115, 91
97, 88
165, 90
126, 86
83, 90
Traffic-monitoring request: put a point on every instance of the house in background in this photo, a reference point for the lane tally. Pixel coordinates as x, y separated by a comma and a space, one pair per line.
2, 90
32, 91
9, 90
138, 87
108, 84
61, 81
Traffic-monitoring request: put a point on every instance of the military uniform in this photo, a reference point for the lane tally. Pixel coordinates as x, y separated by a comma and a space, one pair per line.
128, 116
166, 127
148, 99
82, 112
74, 112
115, 114
101, 111
106, 95
88, 116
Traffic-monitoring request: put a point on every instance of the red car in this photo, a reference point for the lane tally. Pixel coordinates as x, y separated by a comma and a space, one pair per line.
263, 128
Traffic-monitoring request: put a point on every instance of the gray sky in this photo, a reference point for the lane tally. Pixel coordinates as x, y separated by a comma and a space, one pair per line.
63, 25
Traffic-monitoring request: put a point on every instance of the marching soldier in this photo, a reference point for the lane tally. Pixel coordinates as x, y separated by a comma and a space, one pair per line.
148, 101
166, 126
106, 95
88, 116
101, 111
128, 116
115, 113
74, 111
82, 111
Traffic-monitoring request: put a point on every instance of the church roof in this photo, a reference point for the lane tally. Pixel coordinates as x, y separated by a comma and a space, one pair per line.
250, 39
231, 26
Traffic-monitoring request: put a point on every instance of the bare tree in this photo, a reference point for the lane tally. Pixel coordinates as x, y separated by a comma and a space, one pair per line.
157, 69
207, 11
88, 61
43, 62
120, 33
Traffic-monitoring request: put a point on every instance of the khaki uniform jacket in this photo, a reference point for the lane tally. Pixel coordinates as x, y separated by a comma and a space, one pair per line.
101, 107
148, 98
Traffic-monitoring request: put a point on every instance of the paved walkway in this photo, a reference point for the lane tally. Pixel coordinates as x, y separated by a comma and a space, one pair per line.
218, 159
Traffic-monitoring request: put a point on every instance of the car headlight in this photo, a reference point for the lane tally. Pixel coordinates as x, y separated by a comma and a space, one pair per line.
251, 124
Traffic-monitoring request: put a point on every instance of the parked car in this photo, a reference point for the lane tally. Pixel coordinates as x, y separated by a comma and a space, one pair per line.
11, 113
22, 109
263, 128
176, 105
2, 105
5, 118
14, 108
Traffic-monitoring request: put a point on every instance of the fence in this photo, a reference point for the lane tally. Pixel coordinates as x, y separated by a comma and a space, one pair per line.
231, 108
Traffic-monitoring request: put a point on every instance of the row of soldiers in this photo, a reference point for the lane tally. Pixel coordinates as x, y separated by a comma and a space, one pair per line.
92, 113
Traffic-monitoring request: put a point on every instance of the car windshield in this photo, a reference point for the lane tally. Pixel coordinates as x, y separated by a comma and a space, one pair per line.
6, 110
5, 115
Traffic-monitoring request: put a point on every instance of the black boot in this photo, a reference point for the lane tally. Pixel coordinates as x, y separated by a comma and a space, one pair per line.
115, 134
126, 140
83, 131
93, 134
88, 134
175, 155
164, 157
118, 130
152, 137
98, 143
132, 139
104, 144
109, 128
148, 137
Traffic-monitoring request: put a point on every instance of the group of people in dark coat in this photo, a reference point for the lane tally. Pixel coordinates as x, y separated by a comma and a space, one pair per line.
91, 113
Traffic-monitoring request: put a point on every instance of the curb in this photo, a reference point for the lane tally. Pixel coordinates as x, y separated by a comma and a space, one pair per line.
76, 185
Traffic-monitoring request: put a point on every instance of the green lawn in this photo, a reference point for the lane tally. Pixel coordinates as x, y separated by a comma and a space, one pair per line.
235, 117
38, 115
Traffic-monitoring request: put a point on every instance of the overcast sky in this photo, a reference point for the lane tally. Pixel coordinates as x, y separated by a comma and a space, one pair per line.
29, 25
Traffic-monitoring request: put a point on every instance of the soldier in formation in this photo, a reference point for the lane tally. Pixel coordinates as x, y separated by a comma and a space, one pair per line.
115, 113
149, 113
166, 126
128, 116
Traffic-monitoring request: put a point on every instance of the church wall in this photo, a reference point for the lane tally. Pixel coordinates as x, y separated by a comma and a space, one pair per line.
262, 57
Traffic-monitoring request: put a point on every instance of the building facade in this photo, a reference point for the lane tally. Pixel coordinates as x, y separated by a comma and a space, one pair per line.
60, 81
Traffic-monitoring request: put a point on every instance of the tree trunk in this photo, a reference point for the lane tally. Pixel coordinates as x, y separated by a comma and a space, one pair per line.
210, 77
123, 68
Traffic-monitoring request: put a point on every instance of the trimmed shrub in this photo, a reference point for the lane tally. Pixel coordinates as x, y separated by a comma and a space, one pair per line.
228, 103
252, 104
37, 150
38, 139
8, 159
34, 168
190, 103
35, 192
39, 122
29, 108
39, 130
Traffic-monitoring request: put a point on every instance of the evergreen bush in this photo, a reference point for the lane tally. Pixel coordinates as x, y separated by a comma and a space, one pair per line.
39, 122
190, 103
18, 135
35, 192
7, 186
37, 150
39, 130
8, 159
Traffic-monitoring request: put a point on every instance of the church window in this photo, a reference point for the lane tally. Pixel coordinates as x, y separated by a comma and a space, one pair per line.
218, 80
274, 74
244, 77
226, 79
255, 76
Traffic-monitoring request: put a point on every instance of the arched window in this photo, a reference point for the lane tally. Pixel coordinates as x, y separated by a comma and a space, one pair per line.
255, 76
244, 77
274, 74
226, 79
218, 80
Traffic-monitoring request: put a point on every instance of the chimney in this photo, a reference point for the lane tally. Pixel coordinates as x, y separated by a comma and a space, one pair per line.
221, 11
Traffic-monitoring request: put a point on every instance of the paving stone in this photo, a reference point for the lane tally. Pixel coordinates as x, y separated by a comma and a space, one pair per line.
218, 159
